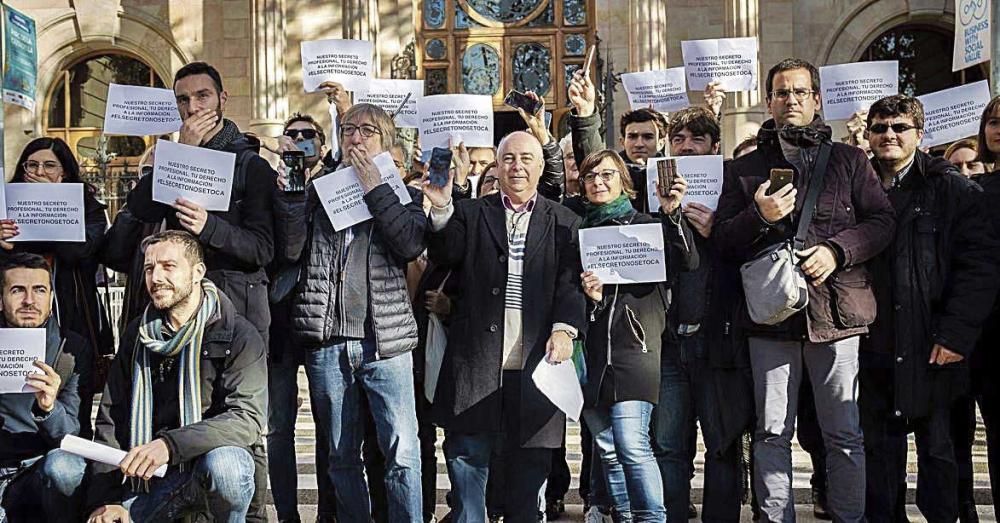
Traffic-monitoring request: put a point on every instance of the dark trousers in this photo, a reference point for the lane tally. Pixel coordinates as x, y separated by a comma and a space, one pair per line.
586, 462
427, 433
986, 392
886, 448
559, 477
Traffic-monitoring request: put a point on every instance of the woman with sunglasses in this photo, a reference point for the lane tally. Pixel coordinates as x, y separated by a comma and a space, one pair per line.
623, 340
74, 264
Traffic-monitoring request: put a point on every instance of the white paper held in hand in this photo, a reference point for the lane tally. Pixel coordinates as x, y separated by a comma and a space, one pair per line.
343, 197
100, 453
19, 348
560, 384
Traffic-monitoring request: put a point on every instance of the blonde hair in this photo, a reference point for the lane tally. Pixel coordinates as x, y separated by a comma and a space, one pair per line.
378, 117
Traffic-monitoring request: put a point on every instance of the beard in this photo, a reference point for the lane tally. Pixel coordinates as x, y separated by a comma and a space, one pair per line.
165, 303
19, 320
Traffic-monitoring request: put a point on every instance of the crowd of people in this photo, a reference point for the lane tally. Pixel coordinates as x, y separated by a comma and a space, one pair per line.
434, 314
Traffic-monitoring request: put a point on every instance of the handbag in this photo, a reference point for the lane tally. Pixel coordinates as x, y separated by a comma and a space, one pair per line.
773, 282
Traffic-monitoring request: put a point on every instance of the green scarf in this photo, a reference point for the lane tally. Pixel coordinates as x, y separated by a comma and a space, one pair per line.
186, 342
598, 214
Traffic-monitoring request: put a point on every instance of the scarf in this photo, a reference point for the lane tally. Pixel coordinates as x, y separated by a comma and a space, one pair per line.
186, 342
227, 135
598, 214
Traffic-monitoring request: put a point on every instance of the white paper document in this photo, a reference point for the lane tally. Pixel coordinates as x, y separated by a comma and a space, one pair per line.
140, 111
953, 114
19, 348
703, 175
730, 61
390, 94
624, 253
347, 62
201, 175
46, 212
464, 118
343, 197
849, 88
100, 453
665, 90
560, 384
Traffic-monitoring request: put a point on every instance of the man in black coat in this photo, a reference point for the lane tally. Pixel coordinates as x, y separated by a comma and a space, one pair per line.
517, 259
934, 286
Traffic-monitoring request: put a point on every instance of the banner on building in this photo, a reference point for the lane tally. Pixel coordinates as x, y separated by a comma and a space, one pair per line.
972, 33
20, 69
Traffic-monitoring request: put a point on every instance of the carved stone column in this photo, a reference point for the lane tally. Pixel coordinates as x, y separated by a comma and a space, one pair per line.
268, 84
647, 28
744, 110
361, 22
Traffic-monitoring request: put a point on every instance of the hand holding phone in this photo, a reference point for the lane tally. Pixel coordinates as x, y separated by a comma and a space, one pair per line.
440, 163
780, 178
519, 100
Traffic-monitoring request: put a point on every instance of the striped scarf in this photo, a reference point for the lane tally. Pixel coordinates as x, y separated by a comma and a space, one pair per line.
187, 343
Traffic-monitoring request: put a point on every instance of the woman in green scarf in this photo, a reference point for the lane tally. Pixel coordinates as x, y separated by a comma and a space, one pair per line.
623, 341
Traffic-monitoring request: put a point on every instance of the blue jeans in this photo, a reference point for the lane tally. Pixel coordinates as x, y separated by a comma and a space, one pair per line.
282, 390
621, 432
224, 477
47, 485
339, 374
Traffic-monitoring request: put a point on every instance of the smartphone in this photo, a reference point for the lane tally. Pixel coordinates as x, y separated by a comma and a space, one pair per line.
295, 169
437, 172
308, 147
780, 178
519, 100
666, 174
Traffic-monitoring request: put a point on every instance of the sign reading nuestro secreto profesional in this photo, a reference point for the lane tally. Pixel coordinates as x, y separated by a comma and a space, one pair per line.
46, 212
347, 62
197, 174
624, 253
730, 61
19, 348
140, 111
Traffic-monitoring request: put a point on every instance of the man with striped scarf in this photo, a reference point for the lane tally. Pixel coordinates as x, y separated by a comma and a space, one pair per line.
187, 390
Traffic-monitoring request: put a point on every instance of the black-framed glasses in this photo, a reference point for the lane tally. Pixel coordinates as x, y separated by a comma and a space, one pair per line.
605, 175
32, 166
367, 130
898, 128
307, 134
783, 94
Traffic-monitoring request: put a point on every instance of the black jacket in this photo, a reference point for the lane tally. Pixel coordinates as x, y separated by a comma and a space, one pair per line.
627, 326
943, 265
474, 244
986, 357
239, 242
233, 399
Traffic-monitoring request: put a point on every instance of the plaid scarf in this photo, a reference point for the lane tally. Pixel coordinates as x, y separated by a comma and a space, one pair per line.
186, 342
227, 135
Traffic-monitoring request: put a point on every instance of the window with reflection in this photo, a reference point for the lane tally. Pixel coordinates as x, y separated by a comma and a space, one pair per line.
924, 53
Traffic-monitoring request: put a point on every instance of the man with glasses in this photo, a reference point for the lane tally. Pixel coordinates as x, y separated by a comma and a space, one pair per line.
351, 312
934, 287
853, 221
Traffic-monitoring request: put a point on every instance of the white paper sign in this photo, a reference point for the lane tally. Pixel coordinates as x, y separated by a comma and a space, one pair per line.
666, 89
93, 451
343, 197
19, 348
703, 175
849, 88
201, 175
972, 33
140, 111
389, 94
625, 253
460, 117
953, 114
560, 384
46, 212
348, 62
730, 61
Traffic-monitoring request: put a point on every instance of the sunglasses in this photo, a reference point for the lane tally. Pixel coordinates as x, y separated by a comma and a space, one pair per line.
307, 134
898, 128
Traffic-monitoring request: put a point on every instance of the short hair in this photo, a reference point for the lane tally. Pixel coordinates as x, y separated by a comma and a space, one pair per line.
790, 64
985, 155
749, 141
698, 120
594, 159
644, 115
299, 117
379, 118
898, 105
195, 68
966, 143
192, 249
23, 260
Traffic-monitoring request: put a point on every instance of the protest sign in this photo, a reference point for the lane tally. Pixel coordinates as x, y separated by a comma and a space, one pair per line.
447, 118
46, 212
100, 453
953, 114
200, 175
19, 348
347, 62
624, 254
849, 88
703, 175
665, 90
972, 33
730, 61
140, 111
390, 94
343, 197
20, 73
